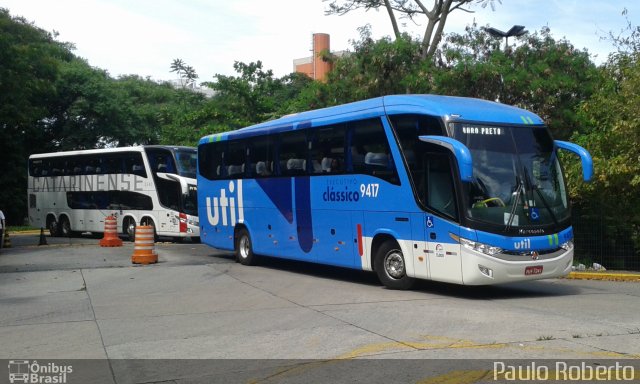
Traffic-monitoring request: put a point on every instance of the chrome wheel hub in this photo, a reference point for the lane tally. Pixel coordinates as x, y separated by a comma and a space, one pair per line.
394, 264
244, 247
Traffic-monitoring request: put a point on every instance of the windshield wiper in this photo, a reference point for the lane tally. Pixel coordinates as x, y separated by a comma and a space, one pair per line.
518, 192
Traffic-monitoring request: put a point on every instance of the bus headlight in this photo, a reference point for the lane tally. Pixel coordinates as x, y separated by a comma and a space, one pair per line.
479, 247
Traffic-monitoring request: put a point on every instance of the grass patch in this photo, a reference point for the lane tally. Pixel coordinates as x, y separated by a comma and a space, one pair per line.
20, 228
545, 338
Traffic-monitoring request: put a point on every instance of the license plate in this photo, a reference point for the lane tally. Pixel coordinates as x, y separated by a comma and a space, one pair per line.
535, 270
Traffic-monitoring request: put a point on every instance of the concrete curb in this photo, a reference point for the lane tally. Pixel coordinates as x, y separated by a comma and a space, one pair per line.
29, 232
607, 276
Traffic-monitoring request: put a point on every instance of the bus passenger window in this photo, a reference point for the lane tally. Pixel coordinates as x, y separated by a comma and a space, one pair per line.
235, 159
293, 153
327, 150
261, 157
210, 159
369, 151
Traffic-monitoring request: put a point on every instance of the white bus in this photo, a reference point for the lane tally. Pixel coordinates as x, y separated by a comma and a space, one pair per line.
73, 192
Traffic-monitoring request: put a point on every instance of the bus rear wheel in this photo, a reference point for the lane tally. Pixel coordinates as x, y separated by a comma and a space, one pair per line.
53, 226
65, 227
244, 249
391, 267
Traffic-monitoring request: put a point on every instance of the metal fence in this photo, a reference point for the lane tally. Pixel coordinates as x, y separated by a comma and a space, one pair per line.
599, 238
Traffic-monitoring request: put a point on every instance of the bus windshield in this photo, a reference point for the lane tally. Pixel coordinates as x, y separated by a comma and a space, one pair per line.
517, 177
186, 162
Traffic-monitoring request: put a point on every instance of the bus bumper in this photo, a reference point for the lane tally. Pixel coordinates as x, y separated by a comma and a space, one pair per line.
481, 269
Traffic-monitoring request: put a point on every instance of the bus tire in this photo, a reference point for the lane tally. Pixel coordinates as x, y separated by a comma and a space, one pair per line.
65, 227
244, 248
129, 228
53, 226
391, 267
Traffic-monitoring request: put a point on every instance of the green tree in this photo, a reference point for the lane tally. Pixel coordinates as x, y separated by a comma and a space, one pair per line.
416, 11
541, 74
30, 59
255, 95
612, 135
155, 112
186, 73
51, 100
375, 68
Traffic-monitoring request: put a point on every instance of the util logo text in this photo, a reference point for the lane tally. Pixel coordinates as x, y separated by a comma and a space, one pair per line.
224, 208
523, 244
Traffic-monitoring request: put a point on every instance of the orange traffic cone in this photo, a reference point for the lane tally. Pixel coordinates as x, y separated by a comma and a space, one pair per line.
110, 238
144, 249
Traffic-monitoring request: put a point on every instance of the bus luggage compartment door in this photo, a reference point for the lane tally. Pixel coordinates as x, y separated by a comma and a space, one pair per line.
443, 252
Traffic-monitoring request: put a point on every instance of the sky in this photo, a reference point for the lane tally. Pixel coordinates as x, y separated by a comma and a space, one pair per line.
143, 37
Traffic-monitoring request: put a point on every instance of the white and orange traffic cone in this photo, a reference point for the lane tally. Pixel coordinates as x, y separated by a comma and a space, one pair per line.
110, 238
144, 248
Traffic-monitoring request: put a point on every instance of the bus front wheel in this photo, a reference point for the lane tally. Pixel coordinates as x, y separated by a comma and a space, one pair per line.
391, 267
244, 249
148, 221
129, 228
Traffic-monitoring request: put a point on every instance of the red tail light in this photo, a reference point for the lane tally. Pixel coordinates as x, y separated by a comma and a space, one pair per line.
183, 222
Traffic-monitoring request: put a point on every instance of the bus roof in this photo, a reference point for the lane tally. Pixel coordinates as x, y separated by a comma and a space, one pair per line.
452, 107
137, 148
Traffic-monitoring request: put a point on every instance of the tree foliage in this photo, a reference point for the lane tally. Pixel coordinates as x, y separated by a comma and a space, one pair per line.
30, 59
185, 72
435, 14
374, 69
255, 95
539, 73
612, 135
51, 100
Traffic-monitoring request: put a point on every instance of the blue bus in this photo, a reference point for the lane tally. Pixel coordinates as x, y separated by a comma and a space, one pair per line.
441, 188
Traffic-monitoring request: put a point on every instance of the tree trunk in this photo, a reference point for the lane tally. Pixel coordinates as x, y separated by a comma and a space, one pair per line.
394, 23
435, 41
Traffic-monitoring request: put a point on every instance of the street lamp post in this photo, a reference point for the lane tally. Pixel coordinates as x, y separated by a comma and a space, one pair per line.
516, 30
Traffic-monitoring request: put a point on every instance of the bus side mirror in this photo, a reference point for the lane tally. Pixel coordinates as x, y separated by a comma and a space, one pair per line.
169, 176
459, 150
585, 157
